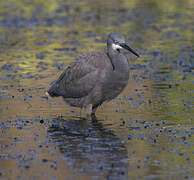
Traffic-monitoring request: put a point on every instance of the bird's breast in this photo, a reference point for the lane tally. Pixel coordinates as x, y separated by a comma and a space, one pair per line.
114, 81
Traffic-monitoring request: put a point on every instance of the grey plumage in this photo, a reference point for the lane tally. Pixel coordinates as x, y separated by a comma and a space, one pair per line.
94, 77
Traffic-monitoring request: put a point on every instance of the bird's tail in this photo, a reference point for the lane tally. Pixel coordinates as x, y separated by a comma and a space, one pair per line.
53, 90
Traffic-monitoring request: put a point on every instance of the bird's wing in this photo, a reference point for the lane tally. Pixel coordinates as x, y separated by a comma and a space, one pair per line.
78, 79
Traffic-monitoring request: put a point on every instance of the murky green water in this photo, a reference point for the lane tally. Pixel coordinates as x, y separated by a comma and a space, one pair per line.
145, 133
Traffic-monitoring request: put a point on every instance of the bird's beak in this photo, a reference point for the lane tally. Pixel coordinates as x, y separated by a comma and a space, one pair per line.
125, 46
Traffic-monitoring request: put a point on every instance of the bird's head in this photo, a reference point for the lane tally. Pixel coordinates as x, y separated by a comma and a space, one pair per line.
116, 41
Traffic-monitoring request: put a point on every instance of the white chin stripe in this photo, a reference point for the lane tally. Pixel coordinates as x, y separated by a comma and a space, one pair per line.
116, 46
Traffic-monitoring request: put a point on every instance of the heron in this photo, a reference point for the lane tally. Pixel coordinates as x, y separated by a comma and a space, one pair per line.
94, 77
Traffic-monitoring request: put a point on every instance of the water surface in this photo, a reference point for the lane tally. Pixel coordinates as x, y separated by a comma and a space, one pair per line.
145, 133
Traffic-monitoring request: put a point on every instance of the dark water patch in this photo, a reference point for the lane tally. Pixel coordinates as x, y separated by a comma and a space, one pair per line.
40, 119
64, 49
84, 143
171, 34
36, 76
7, 67
138, 67
134, 128
60, 66
18, 124
10, 68
42, 66
162, 86
42, 55
71, 42
157, 54
12, 77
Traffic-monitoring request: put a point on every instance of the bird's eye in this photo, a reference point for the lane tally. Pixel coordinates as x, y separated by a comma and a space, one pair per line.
116, 42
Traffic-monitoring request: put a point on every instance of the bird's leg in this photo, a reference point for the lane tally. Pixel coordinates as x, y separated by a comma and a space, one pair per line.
94, 111
88, 110
80, 113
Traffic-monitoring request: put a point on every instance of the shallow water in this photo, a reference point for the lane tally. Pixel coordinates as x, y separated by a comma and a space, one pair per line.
145, 133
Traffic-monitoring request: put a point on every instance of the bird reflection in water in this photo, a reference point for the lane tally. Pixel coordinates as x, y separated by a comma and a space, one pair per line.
90, 148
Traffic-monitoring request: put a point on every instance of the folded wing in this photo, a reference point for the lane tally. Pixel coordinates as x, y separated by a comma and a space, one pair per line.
78, 80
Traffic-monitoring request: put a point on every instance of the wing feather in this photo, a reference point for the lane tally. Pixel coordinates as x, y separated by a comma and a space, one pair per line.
79, 78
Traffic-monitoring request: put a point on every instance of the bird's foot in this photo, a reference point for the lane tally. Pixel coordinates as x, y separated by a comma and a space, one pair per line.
89, 112
91, 116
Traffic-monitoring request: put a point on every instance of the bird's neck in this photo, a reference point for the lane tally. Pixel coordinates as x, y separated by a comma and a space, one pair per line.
113, 56
116, 58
